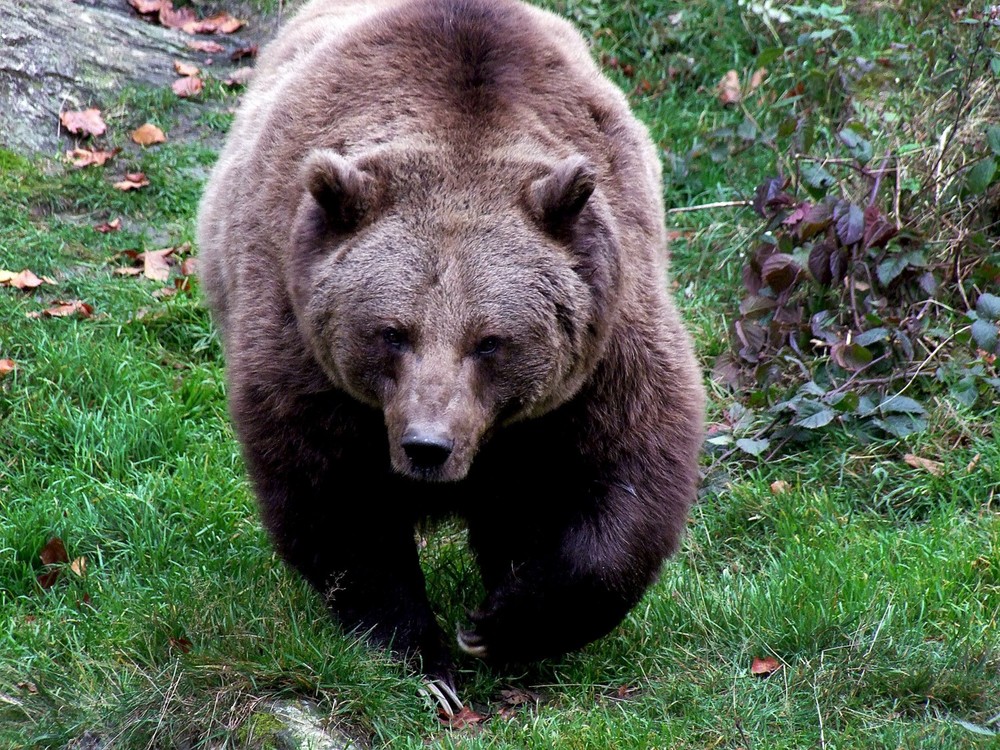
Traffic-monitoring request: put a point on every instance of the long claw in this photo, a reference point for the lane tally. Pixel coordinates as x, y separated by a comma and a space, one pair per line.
440, 692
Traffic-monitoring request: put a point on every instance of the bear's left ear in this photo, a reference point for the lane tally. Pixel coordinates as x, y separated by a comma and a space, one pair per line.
558, 198
345, 193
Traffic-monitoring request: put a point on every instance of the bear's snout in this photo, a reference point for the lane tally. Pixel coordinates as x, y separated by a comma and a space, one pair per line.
427, 448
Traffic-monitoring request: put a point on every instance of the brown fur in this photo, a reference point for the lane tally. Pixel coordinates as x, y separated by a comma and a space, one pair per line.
434, 246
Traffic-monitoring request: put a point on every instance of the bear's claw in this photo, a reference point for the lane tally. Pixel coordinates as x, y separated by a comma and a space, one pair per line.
440, 692
472, 643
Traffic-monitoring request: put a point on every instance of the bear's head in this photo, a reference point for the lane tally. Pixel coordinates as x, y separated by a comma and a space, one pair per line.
454, 297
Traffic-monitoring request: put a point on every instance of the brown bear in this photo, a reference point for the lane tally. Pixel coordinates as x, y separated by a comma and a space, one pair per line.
434, 246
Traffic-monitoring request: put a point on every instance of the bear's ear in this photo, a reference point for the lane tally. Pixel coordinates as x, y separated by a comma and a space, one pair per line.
345, 193
558, 198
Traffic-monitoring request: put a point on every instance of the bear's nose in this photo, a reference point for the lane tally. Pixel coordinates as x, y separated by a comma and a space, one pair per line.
426, 449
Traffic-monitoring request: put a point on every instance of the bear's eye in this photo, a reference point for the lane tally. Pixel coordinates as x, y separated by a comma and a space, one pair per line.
394, 337
487, 346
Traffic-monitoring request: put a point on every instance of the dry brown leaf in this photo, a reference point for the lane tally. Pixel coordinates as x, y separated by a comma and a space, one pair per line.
239, 77
519, 696
729, 88
155, 265
148, 135
21, 280
63, 309
29, 686
764, 666
466, 717
240, 52
7, 366
175, 18
934, 467
221, 23
79, 566
211, 48
185, 69
187, 86
133, 271
85, 157
146, 6
780, 487
53, 553
189, 266
757, 78
974, 462
182, 644
109, 226
133, 181
83, 122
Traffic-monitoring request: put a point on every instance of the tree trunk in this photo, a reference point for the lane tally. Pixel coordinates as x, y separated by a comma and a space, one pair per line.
58, 55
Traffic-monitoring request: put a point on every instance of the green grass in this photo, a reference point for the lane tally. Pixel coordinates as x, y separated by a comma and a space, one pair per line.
875, 584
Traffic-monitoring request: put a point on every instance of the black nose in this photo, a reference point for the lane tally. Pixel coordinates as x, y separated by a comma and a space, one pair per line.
426, 450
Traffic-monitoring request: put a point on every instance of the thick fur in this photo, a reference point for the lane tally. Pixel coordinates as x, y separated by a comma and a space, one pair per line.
434, 246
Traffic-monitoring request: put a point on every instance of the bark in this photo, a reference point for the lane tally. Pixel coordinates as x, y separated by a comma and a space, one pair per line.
58, 55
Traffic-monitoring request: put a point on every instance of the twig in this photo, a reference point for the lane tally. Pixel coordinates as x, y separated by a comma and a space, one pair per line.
878, 180
819, 713
929, 357
706, 206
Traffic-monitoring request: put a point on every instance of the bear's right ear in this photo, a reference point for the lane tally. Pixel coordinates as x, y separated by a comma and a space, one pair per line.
345, 193
557, 199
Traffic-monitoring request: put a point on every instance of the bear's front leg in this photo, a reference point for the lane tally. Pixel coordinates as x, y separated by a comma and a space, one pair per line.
564, 583
368, 572
364, 563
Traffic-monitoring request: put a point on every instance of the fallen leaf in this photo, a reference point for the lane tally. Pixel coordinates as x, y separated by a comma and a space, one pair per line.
241, 52
148, 135
164, 292
729, 88
128, 271
763, 667
934, 467
155, 265
187, 86
182, 644
133, 181
85, 157
780, 487
973, 463
221, 23
146, 6
79, 566
7, 366
757, 78
175, 18
624, 692
29, 686
61, 309
53, 553
185, 69
239, 77
466, 717
519, 697
84, 122
189, 267
211, 48
109, 226
21, 280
